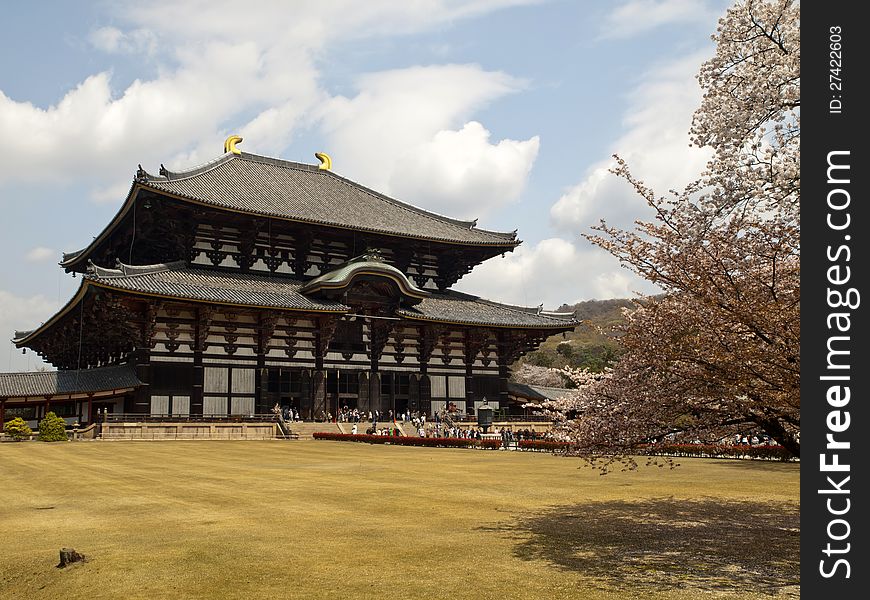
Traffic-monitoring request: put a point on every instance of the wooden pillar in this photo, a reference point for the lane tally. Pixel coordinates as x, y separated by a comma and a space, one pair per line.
90, 408
375, 393
142, 396
425, 394
2, 414
306, 405
414, 392
503, 394
364, 398
318, 395
469, 388
503, 355
265, 331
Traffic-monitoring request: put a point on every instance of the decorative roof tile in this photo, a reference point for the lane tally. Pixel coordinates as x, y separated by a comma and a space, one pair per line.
53, 383
369, 264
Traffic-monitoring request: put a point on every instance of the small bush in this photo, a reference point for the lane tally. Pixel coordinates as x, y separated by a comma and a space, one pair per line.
52, 428
434, 442
770, 452
17, 429
544, 445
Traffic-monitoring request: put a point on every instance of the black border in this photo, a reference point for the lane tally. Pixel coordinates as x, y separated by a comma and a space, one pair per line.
823, 132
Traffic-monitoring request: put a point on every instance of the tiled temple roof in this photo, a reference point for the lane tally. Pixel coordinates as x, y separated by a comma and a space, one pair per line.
53, 383
537, 393
465, 309
271, 187
177, 280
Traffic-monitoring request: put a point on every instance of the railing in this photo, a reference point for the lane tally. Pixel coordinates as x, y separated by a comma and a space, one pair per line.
506, 419
270, 417
165, 418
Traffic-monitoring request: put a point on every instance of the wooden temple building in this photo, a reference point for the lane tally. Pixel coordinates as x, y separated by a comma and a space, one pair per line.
250, 281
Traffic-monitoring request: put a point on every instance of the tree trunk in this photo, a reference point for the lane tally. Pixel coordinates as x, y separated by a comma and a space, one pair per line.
69, 556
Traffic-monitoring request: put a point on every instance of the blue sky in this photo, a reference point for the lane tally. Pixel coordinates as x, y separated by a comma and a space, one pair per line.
505, 110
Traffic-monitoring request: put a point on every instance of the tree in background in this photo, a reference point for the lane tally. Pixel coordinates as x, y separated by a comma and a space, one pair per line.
719, 352
52, 428
17, 429
536, 375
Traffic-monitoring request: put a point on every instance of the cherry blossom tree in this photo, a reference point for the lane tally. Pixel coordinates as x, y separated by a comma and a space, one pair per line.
536, 375
719, 352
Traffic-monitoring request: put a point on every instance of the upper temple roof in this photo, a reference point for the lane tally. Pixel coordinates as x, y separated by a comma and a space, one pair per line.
278, 188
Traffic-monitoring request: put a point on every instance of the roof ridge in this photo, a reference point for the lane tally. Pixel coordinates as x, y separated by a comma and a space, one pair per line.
167, 175
401, 204
530, 310
27, 373
125, 270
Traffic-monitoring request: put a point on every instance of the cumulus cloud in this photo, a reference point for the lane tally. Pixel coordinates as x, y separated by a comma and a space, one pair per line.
219, 64
553, 271
405, 133
460, 173
655, 144
637, 16
112, 39
40, 254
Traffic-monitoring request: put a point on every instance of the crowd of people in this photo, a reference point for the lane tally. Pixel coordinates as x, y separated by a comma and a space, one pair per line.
416, 423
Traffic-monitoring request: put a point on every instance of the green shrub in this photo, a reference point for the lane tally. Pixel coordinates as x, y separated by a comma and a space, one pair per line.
17, 429
52, 428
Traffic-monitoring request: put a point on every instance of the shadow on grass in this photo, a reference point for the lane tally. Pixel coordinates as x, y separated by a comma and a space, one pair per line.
669, 544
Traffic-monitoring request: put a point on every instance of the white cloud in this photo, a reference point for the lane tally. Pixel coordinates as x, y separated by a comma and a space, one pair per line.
405, 133
655, 145
40, 254
112, 39
554, 271
219, 63
459, 173
638, 16
21, 313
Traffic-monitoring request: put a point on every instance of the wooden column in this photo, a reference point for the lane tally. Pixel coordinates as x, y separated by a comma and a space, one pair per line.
2, 414
375, 393
364, 398
306, 405
504, 356
318, 394
142, 395
265, 331
414, 392
201, 329
90, 408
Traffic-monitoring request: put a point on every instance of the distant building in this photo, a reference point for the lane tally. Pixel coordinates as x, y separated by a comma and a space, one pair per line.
251, 281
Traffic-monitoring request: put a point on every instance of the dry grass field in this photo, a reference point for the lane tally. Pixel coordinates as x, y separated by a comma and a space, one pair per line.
315, 519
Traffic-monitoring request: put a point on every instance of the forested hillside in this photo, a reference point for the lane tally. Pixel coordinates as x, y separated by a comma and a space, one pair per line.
593, 345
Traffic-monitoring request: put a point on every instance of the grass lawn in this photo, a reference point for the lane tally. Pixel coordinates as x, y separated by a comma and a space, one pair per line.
318, 519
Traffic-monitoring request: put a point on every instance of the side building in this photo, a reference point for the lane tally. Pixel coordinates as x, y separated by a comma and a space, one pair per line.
251, 281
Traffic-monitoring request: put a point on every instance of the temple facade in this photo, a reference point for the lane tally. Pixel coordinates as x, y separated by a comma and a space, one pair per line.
251, 281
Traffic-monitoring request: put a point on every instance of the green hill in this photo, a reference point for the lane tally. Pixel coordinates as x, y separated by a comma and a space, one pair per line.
594, 344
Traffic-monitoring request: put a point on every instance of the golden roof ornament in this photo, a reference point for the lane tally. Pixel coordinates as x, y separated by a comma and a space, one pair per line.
325, 161
230, 144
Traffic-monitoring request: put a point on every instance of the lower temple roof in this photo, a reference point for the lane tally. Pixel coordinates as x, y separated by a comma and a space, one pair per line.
54, 383
179, 281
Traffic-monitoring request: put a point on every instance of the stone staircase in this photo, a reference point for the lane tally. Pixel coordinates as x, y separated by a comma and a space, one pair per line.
306, 429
